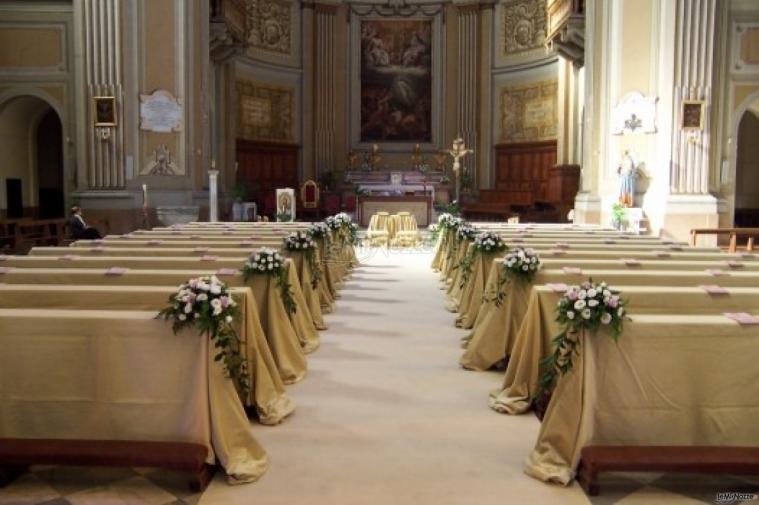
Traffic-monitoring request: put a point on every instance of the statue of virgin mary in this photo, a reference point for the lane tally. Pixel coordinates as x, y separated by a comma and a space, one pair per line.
628, 173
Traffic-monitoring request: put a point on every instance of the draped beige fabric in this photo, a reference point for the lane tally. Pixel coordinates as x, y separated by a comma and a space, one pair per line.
494, 332
280, 333
310, 292
533, 340
104, 375
474, 288
670, 380
267, 392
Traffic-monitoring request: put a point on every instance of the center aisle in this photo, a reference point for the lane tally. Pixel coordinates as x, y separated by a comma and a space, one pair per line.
386, 415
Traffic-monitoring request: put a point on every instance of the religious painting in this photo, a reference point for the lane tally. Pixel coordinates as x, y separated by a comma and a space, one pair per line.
693, 115
396, 80
104, 110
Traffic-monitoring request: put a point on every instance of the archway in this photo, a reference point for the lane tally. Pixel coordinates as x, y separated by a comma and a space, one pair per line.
747, 169
32, 175
50, 166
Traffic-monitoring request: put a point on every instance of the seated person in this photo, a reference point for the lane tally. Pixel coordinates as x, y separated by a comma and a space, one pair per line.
79, 229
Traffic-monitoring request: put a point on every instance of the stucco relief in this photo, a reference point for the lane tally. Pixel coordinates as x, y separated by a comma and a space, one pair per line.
265, 112
524, 26
529, 112
271, 25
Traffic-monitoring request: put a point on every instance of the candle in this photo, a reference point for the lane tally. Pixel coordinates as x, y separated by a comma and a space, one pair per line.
144, 195
213, 164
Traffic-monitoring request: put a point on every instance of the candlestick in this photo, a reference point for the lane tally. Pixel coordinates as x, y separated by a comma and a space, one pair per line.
144, 195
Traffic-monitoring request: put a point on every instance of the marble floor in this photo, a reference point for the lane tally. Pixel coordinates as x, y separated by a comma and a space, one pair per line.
385, 415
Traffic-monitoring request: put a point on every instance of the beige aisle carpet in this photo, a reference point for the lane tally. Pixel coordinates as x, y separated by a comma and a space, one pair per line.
386, 415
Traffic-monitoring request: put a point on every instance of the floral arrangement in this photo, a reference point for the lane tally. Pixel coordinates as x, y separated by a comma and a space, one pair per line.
320, 231
484, 242
466, 232
267, 261
519, 263
522, 264
489, 242
303, 241
589, 307
299, 241
205, 303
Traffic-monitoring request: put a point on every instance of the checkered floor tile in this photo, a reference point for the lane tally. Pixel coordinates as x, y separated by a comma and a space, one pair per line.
57, 485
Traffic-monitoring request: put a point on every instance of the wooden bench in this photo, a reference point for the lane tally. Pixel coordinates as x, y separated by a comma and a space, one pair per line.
691, 459
734, 233
17, 454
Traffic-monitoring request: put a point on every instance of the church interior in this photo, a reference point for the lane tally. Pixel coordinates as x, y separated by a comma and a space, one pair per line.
371, 251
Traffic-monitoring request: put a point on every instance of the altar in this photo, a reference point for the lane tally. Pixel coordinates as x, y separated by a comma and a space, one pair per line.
398, 191
420, 206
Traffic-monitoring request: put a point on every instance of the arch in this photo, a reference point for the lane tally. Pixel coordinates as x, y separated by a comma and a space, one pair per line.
735, 124
746, 194
22, 111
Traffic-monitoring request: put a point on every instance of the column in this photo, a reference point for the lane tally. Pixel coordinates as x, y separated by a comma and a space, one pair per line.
213, 196
695, 39
325, 73
468, 82
690, 205
102, 48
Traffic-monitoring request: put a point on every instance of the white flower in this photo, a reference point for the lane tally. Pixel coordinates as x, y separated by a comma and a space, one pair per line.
525, 268
580, 304
592, 293
570, 314
621, 311
229, 319
188, 308
605, 318
586, 314
182, 317
607, 293
202, 297
215, 289
582, 294
271, 267
592, 302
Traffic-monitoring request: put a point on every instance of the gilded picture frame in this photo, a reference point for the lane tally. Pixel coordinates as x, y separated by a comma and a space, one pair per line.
104, 110
693, 114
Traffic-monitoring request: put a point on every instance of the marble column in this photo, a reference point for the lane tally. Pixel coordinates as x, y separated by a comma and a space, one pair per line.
468, 81
103, 77
695, 39
325, 99
690, 205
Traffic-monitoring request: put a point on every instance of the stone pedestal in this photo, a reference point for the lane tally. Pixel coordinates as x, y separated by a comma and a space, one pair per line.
213, 196
687, 211
587, 209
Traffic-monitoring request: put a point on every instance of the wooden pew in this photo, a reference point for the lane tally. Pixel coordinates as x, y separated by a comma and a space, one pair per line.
734, 233
691, 459
18, 453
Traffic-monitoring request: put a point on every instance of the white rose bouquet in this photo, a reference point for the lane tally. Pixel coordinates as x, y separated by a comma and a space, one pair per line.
489, 242
206, 303
590, 307
522, 264
267, 261
303, 241
300, 241
466, 232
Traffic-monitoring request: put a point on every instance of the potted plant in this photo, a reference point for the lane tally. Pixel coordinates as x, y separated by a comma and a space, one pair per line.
618, 216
